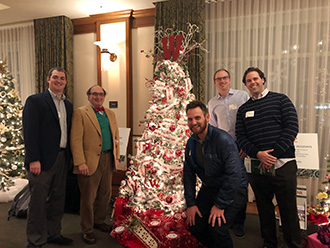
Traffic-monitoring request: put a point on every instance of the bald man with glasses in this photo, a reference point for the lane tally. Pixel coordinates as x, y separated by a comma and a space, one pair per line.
95, 151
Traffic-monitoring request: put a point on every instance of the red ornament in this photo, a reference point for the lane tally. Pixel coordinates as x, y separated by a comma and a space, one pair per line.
178, 153
172, 128
164, 100
169, 199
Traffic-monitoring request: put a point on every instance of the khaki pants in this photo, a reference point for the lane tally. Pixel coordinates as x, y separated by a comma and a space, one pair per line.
95, 193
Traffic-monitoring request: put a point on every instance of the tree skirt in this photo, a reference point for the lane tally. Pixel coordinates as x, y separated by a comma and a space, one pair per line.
150, 228
7, 196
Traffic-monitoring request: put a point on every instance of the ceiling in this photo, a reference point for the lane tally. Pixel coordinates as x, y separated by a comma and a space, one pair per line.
27, 10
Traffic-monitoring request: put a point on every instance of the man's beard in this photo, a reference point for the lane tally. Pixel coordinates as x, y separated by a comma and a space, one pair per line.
202, 128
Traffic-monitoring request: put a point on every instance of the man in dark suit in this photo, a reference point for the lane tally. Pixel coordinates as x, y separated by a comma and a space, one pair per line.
46, 128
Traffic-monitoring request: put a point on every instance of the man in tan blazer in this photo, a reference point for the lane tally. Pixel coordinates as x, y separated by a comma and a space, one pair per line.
95, 150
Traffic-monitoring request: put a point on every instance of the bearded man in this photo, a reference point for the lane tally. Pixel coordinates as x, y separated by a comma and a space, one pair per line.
212, 155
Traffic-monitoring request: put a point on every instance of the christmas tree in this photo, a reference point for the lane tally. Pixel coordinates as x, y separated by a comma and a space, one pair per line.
11, 139
153, 189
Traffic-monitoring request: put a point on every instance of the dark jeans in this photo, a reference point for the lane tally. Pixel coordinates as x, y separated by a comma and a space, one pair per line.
215, 237
46, 207
240, 217
284, 186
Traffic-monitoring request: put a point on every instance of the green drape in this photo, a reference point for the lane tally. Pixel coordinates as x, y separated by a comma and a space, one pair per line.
177, 13
54, 47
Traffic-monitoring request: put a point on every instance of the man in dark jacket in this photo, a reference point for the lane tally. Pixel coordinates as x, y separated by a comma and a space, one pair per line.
212, 155
46, 126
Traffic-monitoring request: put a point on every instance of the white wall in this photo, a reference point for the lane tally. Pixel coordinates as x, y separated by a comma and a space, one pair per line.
143, 39
85, 67
114, 80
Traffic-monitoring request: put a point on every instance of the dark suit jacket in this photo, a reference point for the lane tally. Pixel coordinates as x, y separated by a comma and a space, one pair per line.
42, 131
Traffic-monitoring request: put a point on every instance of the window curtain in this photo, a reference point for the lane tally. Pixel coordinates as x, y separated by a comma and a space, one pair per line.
54, 47
176, 14
289, 41
17, 47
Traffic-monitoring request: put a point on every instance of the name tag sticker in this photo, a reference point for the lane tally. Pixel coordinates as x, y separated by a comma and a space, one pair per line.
232, 107
249, 114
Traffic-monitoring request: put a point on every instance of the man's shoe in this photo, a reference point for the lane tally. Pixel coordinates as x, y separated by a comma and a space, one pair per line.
60, 241
89, 238
239, 231
103, 227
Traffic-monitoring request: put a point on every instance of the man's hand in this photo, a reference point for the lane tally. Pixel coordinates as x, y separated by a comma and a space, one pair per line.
117, 163
35, 167
266, 160
191, 213
217, 214
242, 154
83, 169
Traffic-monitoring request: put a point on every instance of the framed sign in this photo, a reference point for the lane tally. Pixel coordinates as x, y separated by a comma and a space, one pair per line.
307, 152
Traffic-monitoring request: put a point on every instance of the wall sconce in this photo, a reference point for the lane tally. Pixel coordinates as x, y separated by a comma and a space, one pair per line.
105, 55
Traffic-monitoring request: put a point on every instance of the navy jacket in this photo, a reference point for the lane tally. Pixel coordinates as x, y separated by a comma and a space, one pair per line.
223, 168
42, 131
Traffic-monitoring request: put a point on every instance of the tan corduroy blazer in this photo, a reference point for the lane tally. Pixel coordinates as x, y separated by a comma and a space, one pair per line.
86, 138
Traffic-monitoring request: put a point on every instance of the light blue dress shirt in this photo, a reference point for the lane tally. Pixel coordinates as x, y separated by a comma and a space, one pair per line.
223, 110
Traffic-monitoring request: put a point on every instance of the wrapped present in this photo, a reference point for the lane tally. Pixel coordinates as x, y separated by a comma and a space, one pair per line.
323, 233
317, 218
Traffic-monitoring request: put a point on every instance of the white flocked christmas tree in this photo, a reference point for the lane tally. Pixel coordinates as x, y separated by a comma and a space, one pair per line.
11, 136
154, 177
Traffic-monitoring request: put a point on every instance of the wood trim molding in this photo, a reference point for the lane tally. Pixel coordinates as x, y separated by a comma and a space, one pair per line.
129, 84
141, 18
98, 55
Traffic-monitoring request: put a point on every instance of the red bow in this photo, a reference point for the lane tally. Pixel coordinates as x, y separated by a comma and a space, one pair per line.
99, 109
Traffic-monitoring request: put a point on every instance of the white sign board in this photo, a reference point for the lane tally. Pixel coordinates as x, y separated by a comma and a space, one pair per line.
307, 152
123, 140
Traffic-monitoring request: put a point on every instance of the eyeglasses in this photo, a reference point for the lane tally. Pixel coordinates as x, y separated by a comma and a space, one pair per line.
96, 94
221, 78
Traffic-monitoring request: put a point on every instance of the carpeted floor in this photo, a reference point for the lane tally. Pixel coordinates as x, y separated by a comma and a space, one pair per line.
12, 233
